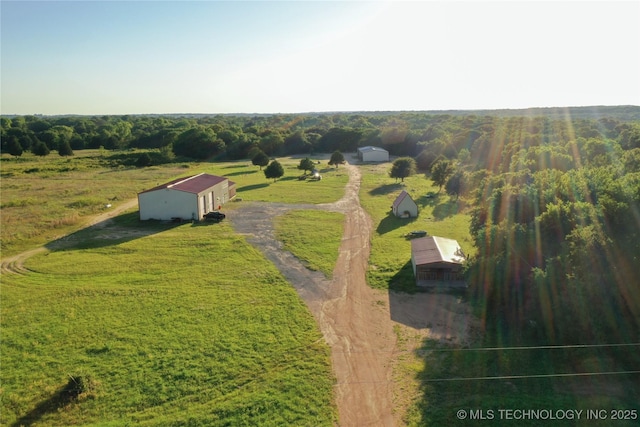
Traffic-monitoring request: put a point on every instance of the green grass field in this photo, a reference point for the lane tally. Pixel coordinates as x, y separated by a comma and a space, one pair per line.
44, 198
314, 237
253, 186
390, 260
164, 324
188, 325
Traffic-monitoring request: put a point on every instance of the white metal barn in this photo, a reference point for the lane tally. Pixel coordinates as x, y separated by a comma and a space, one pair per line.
373, 154
404, 206
186, 198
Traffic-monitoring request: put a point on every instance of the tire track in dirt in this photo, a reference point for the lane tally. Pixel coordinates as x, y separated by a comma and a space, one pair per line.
15, 264
357, 329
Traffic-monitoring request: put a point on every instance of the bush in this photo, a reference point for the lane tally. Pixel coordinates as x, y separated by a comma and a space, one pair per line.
41, 149
144, 160
75, 387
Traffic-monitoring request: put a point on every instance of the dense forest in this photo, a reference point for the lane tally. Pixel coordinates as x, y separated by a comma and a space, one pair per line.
554, 193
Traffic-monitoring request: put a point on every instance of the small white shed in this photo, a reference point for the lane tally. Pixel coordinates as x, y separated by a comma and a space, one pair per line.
404, 206
186, 198
373, 154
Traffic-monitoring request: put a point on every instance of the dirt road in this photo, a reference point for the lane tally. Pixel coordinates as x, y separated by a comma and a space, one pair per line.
356, 327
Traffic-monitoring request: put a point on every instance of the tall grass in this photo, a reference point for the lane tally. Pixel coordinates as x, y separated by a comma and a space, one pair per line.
43, 198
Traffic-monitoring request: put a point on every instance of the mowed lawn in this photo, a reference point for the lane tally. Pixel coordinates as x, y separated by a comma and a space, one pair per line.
165, 324
314, 237
252, 185
440, 215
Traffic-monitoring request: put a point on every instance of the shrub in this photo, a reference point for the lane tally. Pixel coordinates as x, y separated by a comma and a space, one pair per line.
144, 160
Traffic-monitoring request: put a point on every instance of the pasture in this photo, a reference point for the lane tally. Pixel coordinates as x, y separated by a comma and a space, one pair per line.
165, 324
44, 198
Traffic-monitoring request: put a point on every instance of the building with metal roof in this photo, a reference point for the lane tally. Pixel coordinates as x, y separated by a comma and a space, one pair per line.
188, 198
437, 261
404, 206
373, 154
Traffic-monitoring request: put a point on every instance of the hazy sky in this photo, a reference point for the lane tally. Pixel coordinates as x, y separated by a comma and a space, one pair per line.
108, 57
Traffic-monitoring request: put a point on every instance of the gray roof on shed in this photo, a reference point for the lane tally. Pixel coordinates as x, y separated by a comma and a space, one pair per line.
433, 249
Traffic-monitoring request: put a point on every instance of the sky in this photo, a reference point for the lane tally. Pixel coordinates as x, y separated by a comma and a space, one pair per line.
210, 57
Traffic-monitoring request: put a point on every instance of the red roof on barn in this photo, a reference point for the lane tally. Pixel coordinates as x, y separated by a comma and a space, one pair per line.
432, 249
191, 184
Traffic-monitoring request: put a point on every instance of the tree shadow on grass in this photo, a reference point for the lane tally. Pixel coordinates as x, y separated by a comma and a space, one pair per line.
392, 222
247, 172
386, 189
429, 199
446, 209
252, 187
62, 397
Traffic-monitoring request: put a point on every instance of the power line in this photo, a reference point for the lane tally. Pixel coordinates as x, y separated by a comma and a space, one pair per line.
503, 377
512, 377
537, 347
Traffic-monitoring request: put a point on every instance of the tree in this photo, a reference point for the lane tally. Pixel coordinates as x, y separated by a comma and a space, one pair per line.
144, 160
426, 159
271, 142
199, 143
64, 149
260, 159
440, 172
336, 159
297, 142
274, 170
306, 165
14, 148
402, 168
40, 149
455, 184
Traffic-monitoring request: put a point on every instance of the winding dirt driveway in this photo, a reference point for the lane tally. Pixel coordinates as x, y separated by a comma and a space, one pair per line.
352, 317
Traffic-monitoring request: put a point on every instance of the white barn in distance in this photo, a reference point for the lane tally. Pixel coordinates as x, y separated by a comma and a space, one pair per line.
373, 154
188, 198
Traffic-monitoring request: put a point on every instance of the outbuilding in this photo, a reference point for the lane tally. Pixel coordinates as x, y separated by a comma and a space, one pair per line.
437, 262
404, 206
187, 198
373, 154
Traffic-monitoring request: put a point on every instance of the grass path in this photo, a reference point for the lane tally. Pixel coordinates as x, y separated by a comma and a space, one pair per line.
15, 264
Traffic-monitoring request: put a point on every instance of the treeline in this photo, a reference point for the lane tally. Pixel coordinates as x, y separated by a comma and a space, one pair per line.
234, 137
